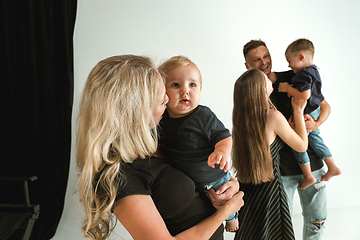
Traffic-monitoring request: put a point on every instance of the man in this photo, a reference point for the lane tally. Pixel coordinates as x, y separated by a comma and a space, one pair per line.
313, 198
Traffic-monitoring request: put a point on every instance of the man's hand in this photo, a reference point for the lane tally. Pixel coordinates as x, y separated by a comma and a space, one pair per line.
310, 123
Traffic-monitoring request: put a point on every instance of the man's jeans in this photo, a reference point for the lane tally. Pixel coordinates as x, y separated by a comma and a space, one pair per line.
313, 203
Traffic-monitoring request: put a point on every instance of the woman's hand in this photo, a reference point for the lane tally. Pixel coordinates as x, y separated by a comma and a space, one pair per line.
298, 104
224, 193
236, 202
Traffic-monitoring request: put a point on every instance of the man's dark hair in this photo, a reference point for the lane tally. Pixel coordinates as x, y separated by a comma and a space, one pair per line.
252, 45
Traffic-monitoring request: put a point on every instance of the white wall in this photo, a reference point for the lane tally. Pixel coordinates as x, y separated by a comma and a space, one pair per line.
212, 34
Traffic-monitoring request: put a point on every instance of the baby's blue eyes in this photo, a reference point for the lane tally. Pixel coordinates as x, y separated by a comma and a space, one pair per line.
178, 85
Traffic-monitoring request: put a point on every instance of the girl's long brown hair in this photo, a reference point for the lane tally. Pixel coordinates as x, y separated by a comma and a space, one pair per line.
251, 152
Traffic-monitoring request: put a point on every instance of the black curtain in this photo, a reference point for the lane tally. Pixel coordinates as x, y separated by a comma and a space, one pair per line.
37, 96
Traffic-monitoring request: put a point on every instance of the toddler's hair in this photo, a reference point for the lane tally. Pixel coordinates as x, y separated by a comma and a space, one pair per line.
299, 45
173, 63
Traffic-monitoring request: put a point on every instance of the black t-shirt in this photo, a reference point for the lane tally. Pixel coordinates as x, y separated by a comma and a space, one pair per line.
188, 141
173, 193
288, 163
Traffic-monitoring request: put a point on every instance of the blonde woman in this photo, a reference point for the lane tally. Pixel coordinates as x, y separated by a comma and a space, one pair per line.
122, 103
259, 131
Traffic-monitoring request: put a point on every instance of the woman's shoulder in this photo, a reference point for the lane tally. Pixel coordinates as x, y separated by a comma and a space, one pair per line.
274, 116
148, 164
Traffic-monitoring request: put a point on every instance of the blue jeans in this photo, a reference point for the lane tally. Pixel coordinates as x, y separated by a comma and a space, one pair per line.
313, 203
316, 142
215, 185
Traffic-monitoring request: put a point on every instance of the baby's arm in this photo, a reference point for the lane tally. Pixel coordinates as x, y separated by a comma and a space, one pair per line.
221, 154
285, 87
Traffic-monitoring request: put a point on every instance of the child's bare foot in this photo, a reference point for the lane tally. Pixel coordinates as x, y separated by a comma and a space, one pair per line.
306, 182
331, 173
232, 226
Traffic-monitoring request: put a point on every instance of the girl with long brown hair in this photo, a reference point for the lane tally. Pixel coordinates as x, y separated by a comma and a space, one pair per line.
259, 131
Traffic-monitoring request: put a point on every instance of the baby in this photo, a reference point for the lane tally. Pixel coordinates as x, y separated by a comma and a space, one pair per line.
192, 138
306, 84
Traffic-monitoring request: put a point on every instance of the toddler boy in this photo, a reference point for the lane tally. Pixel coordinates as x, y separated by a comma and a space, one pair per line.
306, 84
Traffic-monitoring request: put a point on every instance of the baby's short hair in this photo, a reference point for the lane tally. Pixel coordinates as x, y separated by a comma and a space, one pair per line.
173, 63
299, 45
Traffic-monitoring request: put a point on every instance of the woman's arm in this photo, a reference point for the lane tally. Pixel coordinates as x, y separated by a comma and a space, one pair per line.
297, 140
139, 215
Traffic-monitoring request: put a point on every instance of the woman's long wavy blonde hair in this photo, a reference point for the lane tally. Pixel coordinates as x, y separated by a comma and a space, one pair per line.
113, 127
251, 156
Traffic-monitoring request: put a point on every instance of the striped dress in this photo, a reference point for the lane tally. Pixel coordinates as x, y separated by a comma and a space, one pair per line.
265, 214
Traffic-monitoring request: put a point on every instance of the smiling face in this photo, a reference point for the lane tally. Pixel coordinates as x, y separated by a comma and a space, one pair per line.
183, 86
295, 61
259, 58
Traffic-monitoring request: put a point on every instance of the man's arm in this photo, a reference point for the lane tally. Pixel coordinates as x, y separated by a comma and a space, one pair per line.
311, 124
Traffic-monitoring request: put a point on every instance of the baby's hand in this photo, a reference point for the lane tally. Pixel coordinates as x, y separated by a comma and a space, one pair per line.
218, 158
283, 87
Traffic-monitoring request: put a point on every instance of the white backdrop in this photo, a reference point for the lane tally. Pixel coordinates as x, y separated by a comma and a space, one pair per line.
212, 34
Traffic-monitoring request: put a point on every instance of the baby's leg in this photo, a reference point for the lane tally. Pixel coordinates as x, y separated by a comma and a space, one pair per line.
308, 179
232, 226
304, 162
333, 170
